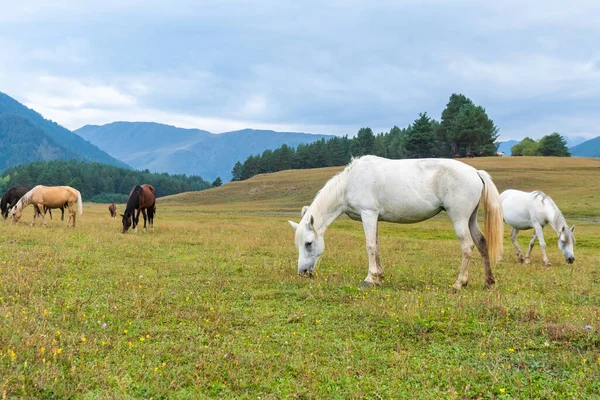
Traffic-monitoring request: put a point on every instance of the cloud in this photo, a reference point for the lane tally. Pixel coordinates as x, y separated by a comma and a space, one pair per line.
330, 67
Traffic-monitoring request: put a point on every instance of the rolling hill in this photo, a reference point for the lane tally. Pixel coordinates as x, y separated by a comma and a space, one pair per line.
574, 186
54, 141
164, 148
589, 148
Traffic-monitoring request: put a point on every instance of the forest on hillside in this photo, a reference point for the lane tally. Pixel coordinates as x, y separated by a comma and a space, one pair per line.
97, 182
464, 130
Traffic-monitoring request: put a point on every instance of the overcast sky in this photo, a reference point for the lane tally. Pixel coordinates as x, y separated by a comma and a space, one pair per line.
313, 66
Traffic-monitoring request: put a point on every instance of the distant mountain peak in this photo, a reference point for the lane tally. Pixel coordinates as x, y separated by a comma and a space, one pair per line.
165, 148
58, 141
589, 148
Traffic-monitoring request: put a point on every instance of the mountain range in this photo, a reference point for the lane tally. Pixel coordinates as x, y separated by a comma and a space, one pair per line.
26, 136
590, 148
165, 148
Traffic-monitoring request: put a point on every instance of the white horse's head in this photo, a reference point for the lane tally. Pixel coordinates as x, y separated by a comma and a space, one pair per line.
309, 243
566, 242
16, 213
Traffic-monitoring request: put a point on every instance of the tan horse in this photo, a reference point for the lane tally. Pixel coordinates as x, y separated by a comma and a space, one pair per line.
51, 197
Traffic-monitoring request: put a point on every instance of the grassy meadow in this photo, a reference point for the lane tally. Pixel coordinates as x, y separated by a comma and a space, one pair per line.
210, 305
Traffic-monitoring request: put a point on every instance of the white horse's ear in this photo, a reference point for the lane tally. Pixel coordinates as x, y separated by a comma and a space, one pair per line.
304, 210
312, 222
573, 228
293, 224
563, 229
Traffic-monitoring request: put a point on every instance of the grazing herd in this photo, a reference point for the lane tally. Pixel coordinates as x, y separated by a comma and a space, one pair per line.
371, 189
142, 199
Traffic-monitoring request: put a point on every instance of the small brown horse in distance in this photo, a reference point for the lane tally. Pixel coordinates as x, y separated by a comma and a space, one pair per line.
43, 197
113, 210
142, 198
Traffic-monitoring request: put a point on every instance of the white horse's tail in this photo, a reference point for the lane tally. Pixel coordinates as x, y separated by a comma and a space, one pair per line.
79, 203
494, 219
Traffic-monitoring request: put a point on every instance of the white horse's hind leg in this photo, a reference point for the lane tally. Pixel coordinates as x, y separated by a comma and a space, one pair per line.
513, 237
539, 231
466, 245
375, 276
481, 244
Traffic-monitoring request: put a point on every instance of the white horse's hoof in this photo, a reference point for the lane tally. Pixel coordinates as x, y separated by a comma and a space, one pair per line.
548, 264
527, 261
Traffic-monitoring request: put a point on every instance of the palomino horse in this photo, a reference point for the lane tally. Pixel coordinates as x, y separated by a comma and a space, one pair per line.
375, 189
51, 197
524, 210
141, 198
113, 210
14, 194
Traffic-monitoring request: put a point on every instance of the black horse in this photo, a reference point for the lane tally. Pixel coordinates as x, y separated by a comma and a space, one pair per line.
14, 194
11, 197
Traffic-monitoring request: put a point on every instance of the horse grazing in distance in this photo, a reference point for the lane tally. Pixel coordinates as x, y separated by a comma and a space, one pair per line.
142, 198
372, 189
51, 197
11, 197
523, 210
113, 210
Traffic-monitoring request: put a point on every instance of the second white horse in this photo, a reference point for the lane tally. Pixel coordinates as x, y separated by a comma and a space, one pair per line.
523, 210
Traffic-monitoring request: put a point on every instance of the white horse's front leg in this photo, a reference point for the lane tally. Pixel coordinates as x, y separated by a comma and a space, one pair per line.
531, 244
540, 234
513, 237
375, 277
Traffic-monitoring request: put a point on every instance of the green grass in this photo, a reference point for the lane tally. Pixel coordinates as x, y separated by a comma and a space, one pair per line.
222, 313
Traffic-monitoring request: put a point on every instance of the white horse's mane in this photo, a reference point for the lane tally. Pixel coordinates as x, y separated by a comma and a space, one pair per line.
558, 220
330, 194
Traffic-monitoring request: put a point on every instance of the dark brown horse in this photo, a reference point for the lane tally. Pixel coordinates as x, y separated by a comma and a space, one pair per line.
142, 198
113, 210
11, 197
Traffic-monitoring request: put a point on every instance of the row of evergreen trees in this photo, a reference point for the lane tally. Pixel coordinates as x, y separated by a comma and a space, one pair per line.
97, 182
465, 129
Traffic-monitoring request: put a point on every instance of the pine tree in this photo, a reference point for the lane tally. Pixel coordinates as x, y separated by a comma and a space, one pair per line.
554, 145
217, 182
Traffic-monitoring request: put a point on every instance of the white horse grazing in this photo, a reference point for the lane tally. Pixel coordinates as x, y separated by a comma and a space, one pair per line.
375, 189
523, 210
